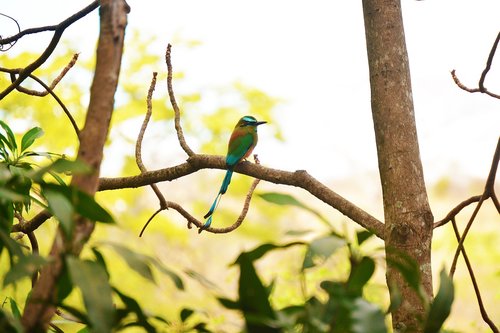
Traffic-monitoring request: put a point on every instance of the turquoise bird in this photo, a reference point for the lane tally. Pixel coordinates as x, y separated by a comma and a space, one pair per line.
241, 144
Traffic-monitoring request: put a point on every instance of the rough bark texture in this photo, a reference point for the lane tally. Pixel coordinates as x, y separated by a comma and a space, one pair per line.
113, 18
408, 218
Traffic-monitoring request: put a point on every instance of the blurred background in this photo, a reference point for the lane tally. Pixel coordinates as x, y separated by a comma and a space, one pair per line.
303, 68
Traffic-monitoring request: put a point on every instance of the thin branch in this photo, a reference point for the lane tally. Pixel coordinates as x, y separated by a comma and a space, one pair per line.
177, 113
199, 224
33, 224
54, 82
482, 88
58, 31
48, 89
11, 44
488, 64
488, 192
138, 144
482, 309
455, 211
299, 178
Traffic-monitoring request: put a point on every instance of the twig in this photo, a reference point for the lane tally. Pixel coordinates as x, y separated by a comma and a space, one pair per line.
482, 309
299, 178
488, 192
454, 212
33, 224
488, 64
138, 145
244, 210
482, 88
12, 73
11, 44
54, 82
58, 31
177, 113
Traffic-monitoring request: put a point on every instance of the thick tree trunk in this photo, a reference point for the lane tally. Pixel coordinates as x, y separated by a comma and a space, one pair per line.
113, 17
408, 218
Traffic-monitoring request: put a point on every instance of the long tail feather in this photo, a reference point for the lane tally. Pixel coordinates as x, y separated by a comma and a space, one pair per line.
213, 207
223, 189
226, 181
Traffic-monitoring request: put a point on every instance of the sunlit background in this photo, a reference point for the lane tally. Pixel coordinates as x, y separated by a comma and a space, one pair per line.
310, 58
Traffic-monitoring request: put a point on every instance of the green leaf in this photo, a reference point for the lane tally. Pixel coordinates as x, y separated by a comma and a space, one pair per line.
25, 267
60, 206
288, 200
87, 206
185, 314
253, 298
12, 246
14, 308
360, 275
30, 137
261, 250
441, 306
61, 165
173, 276
92, 281
363, 235
82, 203
7, 194
321, 248
136, 261
407, 266
396, 297
131, 306
64, 285
9, 324
11, 139
229, 303
367, 317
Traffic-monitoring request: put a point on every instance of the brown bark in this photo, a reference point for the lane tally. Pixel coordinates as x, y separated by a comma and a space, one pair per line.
41, 305
408, 218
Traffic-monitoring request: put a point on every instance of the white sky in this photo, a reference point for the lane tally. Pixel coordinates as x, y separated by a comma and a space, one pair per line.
312, 55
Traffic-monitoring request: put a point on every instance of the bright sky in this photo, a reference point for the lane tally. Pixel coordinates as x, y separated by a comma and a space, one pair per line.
312, 55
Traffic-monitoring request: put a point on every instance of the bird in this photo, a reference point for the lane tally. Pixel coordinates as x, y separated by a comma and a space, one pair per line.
241, 144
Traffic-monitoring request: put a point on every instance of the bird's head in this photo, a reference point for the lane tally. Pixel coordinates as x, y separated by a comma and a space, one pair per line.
249, 121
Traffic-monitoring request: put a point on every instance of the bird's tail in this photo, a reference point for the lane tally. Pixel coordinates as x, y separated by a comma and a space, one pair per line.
223, 189
226, 181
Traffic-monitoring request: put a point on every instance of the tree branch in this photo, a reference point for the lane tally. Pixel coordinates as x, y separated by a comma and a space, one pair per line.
482, 88
177, 113
298, 178
58, 31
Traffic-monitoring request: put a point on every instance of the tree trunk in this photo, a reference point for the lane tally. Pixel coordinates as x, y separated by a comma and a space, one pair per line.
41, 305
408, 218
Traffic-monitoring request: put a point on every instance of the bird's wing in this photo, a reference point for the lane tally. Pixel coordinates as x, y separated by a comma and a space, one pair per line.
238, 148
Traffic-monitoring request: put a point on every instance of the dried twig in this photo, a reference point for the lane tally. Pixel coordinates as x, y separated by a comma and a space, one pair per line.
11, 44
489, 191
58, 31
48, 89
482, 309
54, 82
177, 113
138, 144
482, 88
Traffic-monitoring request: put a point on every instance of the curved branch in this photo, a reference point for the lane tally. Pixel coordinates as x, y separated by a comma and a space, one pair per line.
177, 113
482, 88
48, 89
482, 309
298, 178
138, 144
58, 31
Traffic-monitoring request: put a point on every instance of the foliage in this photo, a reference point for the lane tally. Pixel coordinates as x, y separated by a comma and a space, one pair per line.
22, 182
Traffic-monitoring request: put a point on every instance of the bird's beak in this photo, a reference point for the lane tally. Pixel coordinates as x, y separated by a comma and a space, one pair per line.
260, 123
